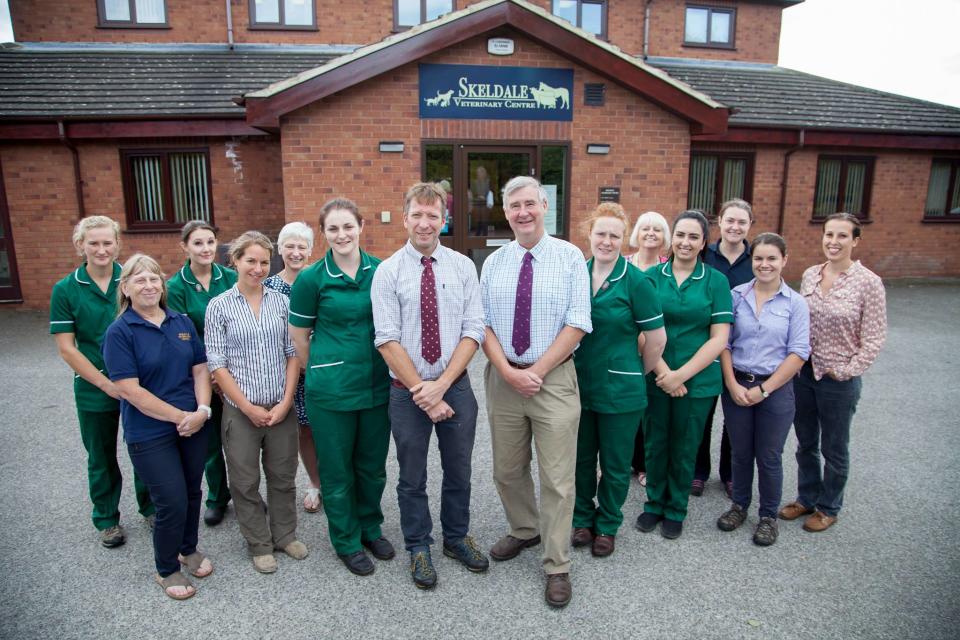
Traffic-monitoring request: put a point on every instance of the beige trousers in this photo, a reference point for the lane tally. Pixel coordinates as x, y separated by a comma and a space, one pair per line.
550, 419
243, 445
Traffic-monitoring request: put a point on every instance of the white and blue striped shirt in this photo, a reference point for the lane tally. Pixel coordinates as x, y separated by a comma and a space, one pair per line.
561, 294
254, 350
395, 294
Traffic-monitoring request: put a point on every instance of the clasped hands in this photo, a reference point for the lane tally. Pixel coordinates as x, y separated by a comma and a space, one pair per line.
524, 381
743, 396
428, 395
191, 422
671, 383
261, 417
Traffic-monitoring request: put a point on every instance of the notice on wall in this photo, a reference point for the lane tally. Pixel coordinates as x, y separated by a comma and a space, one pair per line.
495, 93
550, 220
609, 194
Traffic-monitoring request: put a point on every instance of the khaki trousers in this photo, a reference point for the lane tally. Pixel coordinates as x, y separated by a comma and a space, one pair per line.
243, 444
550, 419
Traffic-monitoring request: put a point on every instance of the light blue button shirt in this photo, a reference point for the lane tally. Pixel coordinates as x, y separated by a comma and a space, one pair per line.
759, 343
561, 294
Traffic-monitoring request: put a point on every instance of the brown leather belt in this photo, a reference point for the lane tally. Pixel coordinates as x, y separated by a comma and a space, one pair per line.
520, 365
399, 385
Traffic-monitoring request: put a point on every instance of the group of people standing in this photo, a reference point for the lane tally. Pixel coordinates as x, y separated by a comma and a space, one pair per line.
615, 364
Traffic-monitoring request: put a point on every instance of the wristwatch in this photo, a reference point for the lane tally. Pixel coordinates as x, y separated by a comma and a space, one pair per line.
209, 411
762, 392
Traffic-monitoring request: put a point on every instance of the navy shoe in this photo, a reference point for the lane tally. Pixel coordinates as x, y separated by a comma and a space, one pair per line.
671, 529
380, 548
358, 563
421, 568
466, 551
214, 515
647, 521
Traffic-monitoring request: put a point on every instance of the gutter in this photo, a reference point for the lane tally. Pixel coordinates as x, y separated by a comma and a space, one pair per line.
229, 26
77, 180
786, 176
646, 29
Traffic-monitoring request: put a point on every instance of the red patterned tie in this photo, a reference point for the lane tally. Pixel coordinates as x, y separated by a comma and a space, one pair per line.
430, 324
521, 312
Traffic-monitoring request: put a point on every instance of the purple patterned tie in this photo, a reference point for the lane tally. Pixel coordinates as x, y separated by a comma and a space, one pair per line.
521, 312
430, 324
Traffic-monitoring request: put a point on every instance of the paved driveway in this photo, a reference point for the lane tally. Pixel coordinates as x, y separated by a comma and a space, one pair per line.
889, 569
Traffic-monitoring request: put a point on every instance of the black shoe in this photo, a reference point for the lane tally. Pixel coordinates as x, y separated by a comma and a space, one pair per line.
671, 529
647, 521
358, 563
421, 568
766, 533
380, 548
214, 515
466, 551
732, 518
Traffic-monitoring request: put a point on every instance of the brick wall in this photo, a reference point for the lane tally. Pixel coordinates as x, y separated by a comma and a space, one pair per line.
330, 147
247, 193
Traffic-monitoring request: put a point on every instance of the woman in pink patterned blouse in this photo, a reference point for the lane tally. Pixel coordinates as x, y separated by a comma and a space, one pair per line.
848, 326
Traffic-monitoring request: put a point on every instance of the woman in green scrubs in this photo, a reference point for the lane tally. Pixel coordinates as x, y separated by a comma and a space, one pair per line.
189, 291
610, 370
82, 306
347, 387
697, 312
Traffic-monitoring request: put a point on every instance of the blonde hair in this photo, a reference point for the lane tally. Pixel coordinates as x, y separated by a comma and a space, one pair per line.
135, 264
607, 210
245, 241
653, 219
425, 193
93, 222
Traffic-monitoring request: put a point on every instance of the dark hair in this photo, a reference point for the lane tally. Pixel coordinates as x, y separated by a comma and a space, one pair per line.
195, 225
769, 238
337, 204
693, 214
846, 217
739, 204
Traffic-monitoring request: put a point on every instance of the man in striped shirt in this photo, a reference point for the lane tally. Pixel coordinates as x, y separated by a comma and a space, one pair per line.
429, 324
536, 297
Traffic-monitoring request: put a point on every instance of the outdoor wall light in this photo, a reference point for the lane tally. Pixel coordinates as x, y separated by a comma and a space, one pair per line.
598, 148
391, 147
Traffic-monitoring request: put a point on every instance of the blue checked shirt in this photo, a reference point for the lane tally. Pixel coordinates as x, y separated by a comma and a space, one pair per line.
395, 294
254, 350
561, 294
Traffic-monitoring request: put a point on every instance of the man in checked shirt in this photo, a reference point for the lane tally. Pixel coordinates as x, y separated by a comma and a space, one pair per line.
429, 323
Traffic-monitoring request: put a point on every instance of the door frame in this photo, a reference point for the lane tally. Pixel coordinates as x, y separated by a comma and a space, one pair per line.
459, 240
13, 293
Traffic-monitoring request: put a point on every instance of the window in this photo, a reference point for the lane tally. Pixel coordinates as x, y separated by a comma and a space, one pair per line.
943, 192
718, 177
843, 184
410, 13
710, 27
589, 15
139, 14
165, 188
282, 14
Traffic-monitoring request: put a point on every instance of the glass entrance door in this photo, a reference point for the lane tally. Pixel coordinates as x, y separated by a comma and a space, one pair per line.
9, 279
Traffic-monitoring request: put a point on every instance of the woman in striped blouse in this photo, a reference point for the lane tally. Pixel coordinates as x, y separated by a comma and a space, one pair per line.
253, 361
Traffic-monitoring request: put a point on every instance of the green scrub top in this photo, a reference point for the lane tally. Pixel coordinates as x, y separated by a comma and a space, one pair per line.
78, 306
345, 372
186, 295
688, 311
609, 368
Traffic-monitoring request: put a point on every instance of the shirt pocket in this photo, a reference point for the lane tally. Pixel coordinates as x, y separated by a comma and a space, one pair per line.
625, 377
776, 322
326, 375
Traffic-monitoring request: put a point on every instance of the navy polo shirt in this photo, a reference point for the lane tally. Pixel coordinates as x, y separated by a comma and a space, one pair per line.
738, 273
161, 358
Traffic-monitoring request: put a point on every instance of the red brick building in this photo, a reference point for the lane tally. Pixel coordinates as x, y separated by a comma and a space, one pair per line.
158, 111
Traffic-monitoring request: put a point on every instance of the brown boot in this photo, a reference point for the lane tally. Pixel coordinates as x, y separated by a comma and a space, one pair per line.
581, 537
818, 522
602, 546
793, 511
509, 547
559, 590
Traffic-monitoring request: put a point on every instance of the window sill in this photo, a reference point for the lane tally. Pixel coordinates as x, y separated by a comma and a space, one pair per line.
700, 45
951, 219
157, 229
132, 25
819, 221
281, 27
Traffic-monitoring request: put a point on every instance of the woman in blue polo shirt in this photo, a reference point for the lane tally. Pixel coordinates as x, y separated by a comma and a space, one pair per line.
157, 361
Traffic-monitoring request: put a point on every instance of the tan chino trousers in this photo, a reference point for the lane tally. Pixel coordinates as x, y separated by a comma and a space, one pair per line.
551, 419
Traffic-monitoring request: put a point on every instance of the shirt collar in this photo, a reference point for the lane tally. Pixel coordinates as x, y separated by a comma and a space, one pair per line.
131, 317
784, 289
83, 277
538, 249
699, 270
714, 247
619, 269
411, 251
187, 275
335, 271
235, 291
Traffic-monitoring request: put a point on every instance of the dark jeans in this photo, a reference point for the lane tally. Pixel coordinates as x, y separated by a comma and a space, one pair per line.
172, 467
758, 433
411, 429
825, 410
702, 469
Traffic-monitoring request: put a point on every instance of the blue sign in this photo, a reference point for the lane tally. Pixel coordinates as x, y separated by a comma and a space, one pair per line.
460, 91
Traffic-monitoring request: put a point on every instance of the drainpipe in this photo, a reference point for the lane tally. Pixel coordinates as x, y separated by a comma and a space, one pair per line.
229, 26
78, 181
783, 185
646, 29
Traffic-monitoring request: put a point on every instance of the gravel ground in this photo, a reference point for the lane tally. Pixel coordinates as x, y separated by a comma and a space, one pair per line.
889, 569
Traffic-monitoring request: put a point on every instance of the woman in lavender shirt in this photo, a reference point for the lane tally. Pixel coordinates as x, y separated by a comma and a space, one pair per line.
769, 342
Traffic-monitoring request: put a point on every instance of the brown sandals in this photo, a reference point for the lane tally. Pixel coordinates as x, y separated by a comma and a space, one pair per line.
194, 564
176, 579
